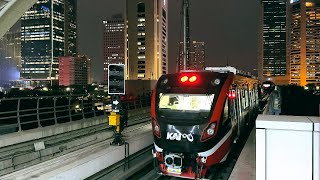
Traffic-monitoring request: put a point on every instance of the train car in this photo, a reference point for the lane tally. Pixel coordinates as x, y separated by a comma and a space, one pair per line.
197, 116
267, 87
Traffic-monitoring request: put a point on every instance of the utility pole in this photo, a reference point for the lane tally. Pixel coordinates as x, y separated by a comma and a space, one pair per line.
186, 34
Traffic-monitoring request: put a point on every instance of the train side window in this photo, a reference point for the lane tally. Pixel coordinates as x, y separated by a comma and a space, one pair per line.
246, 97
250, 97
243, 99
239, 102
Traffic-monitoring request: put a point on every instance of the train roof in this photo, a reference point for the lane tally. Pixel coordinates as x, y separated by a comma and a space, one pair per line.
222, 69
231, 69
226, 69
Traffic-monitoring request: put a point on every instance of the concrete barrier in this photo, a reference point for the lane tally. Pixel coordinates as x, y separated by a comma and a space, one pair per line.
24, 136
287, 147
43, 132
86, 162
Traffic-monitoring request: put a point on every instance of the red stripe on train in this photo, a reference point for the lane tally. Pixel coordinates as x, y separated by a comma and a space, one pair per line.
217, 156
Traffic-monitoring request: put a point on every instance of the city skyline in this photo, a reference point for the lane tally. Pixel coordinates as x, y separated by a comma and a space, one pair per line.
223, 43
222, 37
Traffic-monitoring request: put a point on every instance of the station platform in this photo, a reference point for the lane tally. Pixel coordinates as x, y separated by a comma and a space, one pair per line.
245, 168
85, 162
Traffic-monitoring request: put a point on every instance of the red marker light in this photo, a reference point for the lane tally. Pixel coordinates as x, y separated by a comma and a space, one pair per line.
184, 79
193, 78
232, 94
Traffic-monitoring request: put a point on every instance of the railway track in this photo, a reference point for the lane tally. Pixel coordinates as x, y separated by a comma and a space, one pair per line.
218, 172
18, 156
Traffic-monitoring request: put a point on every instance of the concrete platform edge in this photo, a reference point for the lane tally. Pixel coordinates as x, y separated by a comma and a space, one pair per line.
80, 165
29, 135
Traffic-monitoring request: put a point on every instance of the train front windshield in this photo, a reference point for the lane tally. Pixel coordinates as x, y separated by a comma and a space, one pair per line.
186, 102
187, 97
185, 105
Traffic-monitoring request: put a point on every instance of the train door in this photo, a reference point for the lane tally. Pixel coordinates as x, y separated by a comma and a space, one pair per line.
226, 123
238, 110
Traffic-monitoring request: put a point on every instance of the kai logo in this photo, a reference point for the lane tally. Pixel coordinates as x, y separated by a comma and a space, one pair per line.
178, 136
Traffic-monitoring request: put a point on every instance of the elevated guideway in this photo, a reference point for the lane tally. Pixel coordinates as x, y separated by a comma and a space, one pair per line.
43, 133
89, 160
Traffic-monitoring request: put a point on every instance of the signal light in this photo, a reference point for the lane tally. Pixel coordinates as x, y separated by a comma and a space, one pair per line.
193, 79
156, 128
209, 131
232, 94
184, 79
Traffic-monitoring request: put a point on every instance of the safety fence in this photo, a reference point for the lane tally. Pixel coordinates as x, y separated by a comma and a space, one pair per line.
18, 114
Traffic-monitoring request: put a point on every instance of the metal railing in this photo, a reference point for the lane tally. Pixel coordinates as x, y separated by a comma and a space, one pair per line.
273, 106
18, 114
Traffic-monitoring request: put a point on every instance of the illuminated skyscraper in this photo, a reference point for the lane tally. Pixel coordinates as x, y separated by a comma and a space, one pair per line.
147, 33
10, 47
197, 56
48, 31
113, 43
304, 41
272, 42
74, 70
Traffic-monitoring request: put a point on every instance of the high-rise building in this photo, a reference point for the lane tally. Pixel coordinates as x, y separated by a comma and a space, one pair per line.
48, 31
180, 59
147, 39
10, 47
304, 41
74, 71
197, 56
113, 43
272, 42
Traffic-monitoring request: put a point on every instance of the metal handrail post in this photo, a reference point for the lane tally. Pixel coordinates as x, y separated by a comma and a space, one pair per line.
82, 106
69, 107
93, 107
18, 115
140, 102
38, 116
104, 107
54, 110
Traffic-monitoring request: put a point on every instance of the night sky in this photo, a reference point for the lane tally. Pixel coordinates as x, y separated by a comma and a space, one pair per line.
229, 29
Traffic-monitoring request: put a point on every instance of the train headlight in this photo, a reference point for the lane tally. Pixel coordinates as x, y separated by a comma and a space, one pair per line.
156, 128
209, 132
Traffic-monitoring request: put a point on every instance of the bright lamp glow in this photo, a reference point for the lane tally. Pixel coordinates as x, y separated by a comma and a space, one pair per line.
184, 79
193, 79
